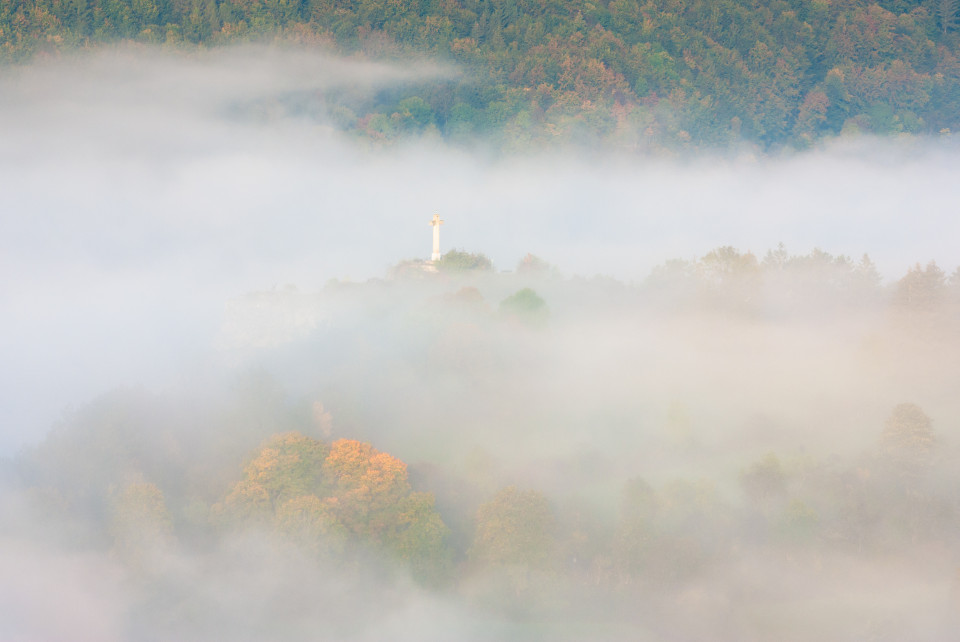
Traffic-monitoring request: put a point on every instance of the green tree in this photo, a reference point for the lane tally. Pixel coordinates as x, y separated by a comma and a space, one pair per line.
922, 289
947, 11
726, 264
420, 537
312, 522
908, 443
729, 279
417, 111
140, 524
514, 529
460, 262
526, 307
764, 481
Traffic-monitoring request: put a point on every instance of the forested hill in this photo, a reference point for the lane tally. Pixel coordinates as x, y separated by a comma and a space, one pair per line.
637, 73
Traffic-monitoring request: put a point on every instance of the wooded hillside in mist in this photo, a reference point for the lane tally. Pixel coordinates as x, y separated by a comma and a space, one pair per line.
733, 449
657, 74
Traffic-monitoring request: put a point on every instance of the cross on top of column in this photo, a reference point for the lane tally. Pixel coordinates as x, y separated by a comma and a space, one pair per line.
436, 223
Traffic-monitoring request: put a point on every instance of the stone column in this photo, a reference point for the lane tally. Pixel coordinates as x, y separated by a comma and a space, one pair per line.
436, 223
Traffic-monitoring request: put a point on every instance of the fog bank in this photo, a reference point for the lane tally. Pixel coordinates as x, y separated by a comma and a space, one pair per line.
143, 189
197, 260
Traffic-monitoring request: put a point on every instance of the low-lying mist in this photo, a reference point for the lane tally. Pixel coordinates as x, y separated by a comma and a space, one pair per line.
646, 434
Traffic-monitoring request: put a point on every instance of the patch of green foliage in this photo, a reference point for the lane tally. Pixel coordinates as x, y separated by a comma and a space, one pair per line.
460, 262
654, 75
525, 306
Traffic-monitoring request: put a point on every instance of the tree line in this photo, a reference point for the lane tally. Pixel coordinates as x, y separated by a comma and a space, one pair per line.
659, 75
342, 502
578, 446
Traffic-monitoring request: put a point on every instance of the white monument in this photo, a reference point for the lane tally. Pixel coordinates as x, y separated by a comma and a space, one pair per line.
436, 223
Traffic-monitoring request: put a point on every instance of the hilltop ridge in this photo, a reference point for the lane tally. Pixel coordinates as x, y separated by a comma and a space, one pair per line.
660, 75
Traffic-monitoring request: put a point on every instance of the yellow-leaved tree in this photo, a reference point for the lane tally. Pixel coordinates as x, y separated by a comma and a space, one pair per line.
908, 444
515, 534
338, 498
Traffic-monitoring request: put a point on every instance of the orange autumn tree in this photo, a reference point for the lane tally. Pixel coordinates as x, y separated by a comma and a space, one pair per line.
374, 502
284, 468
369, 487
337, 497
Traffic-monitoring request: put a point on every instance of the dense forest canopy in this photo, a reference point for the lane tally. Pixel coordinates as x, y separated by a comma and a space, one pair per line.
639, 75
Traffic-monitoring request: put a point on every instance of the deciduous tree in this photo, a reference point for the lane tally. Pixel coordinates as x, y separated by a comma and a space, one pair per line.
514, 529
908, 443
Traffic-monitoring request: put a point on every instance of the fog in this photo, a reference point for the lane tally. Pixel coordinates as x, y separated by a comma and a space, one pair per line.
195, 257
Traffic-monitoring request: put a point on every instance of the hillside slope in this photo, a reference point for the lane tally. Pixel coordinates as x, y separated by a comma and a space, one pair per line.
639, 74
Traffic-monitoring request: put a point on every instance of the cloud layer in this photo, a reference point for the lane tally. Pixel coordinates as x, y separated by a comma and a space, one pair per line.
143, 189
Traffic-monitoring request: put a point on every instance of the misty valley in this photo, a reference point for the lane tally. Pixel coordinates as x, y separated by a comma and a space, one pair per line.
734, 448
649, 385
